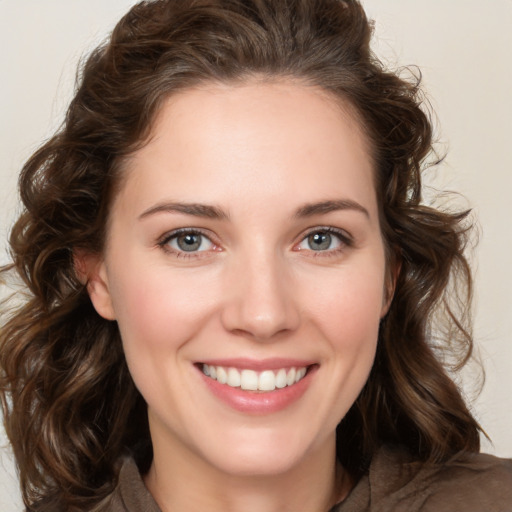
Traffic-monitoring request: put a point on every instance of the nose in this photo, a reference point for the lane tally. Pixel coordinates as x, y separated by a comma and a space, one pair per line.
261, 302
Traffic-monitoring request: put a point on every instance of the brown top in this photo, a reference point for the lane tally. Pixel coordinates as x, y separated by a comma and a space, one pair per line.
394, 483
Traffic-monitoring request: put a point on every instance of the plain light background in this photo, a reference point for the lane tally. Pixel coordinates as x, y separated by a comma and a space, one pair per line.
463, 48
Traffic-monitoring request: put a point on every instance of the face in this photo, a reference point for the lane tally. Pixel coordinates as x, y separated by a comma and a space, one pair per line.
246, 270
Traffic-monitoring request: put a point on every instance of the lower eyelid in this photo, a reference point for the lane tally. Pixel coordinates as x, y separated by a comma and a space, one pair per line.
343, 238
165, 241
344, 241
209, 243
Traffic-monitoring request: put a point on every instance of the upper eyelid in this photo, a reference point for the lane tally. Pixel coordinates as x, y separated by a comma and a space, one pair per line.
182, 231
343, 234
164, 243
345, 240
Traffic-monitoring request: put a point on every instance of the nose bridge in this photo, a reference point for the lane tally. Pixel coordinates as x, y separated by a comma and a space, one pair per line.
261, 303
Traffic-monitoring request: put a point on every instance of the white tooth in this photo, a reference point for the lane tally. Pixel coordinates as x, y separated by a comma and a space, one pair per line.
222, 375
290, 377
267, 381
212, 371
300, 374
249, 380
281, 378
233, 378
205, 369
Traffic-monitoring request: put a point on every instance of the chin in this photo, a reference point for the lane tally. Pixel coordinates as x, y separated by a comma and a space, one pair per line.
262, 454
258, 464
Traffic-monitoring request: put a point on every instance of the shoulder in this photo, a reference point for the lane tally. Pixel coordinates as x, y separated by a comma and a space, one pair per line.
130, 494
470, 482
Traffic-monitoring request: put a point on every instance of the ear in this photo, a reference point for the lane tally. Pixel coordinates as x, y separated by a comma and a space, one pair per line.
392, 273
91, 271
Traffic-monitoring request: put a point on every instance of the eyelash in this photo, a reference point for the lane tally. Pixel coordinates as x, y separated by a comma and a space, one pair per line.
343, 237
345, 240
165, 240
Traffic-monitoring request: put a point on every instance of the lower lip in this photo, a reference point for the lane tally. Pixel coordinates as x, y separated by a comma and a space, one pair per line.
252, 402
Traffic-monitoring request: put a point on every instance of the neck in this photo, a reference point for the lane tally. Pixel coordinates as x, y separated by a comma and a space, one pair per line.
183, 481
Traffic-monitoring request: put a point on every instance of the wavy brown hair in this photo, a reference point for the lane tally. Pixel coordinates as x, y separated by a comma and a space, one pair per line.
70, 406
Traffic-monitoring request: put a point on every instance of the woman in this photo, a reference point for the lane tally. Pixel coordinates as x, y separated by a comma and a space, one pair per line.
233, 279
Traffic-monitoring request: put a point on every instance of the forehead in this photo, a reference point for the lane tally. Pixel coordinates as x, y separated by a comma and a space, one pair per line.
282, 136
255, 101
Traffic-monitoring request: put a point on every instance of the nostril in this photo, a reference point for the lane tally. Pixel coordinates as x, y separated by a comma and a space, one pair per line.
259, 321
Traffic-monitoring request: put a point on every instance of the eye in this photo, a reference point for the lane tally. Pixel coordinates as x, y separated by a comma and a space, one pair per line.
323, 240
187, 241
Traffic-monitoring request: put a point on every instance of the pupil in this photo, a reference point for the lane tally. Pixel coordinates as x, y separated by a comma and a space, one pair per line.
189, 242
319, 241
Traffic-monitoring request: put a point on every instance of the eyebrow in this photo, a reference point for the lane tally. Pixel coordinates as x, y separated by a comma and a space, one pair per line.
195, 209
213, 212
324, 207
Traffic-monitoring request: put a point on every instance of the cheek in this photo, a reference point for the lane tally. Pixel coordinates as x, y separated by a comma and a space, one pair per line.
158, 314
158, 310
349, 305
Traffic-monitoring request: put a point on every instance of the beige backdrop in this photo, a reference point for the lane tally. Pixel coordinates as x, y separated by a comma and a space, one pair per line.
464, 50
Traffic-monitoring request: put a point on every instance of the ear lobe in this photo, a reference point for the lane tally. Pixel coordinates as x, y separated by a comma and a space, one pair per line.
91, 271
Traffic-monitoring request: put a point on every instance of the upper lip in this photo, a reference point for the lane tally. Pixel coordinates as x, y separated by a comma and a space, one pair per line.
275, 363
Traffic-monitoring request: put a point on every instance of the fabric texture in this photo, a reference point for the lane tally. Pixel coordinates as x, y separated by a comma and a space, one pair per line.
394, 483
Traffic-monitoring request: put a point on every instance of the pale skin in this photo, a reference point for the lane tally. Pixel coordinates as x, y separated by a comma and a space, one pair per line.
258, 175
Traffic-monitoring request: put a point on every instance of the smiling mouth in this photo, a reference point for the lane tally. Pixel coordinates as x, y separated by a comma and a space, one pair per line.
250, 380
